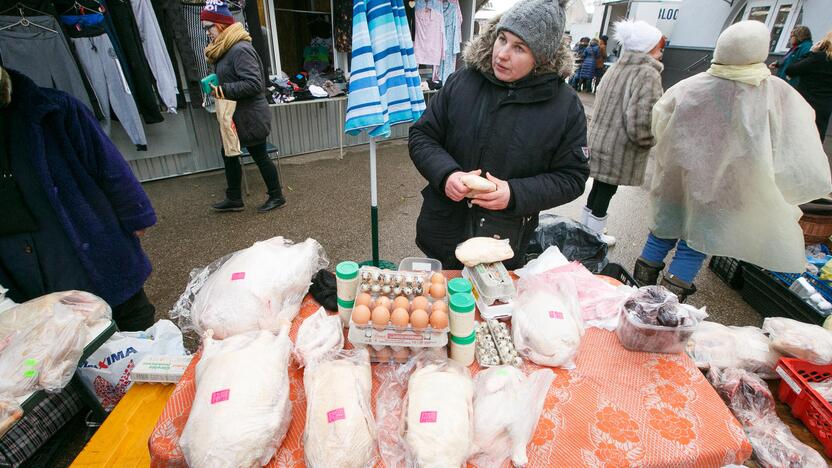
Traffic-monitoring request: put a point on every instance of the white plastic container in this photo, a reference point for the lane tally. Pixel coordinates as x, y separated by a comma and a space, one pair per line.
462, 314
346, 277
463, 348
490, 308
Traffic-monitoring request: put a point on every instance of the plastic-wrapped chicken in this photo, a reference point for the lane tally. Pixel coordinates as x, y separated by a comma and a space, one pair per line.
507, 406
748, 348
483, 250
253, 289
749, 398
241, 409
546, 324
339, 429
89, 307
801, 340
319, 336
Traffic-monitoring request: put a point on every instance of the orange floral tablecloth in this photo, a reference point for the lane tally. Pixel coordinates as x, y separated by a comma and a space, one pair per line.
617, 408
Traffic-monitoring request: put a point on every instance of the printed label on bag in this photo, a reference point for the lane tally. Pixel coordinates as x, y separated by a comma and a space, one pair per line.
427, 417
219, 396
788, 379
553, 314
335, 415
238, 276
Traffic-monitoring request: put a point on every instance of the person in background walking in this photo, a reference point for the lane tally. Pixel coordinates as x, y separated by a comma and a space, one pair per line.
801, 44
600, 63
586, 74
736, 155
815, 73
240, 74
619, 134
578, 50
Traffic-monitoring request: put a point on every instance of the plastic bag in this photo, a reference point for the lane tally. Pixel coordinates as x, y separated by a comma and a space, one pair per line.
747, 348
89, 307
654, 321
319, 337
5, 302
339, 430
253, 289
477, 250
575, 241
749, 398
107, 372
507, 405
241, 409
390, 408
801, 340
546, 324
549, 259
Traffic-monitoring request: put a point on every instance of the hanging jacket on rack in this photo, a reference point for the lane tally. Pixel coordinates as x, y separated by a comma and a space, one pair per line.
429, 44
175, 34
156, 52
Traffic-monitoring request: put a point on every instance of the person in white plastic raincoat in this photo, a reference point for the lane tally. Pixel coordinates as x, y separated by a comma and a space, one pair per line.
737, 151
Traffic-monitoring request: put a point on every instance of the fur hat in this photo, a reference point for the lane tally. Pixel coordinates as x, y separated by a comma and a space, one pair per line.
539, 23
216, 11
637, 36
744, 43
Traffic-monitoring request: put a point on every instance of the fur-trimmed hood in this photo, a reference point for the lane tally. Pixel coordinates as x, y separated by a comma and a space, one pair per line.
477, 54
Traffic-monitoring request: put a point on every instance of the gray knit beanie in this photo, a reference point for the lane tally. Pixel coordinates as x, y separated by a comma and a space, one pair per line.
539, 23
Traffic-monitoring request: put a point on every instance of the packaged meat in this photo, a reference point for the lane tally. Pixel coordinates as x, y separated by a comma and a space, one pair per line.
478, 250
339, 431
507, 405
653, 320
547, 325
748, 348
319, 336
241, 409
390, 409
800, 340
23, 316
252, 289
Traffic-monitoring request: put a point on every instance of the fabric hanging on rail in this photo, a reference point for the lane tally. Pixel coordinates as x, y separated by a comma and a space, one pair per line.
429, 45
156, 53
453, 38
343, 25
258, 38
175, 34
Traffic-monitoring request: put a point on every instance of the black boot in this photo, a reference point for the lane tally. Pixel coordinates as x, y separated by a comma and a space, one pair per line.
228, 205
272, 203
682, 289
646, 273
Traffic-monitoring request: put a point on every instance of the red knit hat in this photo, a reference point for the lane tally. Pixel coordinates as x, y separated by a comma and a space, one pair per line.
216, 11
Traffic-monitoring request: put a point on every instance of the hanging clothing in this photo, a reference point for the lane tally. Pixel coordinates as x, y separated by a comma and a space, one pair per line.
258, 39
430, 32
103, 69
156, 52
343, 25
175, 34
143, 83
453, 38
42, 55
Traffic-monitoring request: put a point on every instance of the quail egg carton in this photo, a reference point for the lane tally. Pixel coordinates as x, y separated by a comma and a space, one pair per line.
493, 282
494, 345
378, 282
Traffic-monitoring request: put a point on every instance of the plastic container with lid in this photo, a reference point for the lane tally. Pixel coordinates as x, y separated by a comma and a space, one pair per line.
459, 286
463, 348
462, 314
346, 277
637, 336
492, 282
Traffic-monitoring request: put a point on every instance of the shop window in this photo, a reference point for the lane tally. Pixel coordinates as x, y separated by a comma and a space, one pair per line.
759, 13
304, 35
739, 16
780, 21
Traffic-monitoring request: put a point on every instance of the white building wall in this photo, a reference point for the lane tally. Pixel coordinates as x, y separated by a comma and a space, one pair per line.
699, 23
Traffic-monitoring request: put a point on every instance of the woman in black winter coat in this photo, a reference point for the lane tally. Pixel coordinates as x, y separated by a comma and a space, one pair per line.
240, 74
815, 72
510, 117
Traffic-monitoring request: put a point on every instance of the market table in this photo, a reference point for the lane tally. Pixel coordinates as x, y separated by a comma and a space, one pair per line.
616, 408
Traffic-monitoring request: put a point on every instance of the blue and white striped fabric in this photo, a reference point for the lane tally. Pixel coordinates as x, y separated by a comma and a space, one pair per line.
384, 78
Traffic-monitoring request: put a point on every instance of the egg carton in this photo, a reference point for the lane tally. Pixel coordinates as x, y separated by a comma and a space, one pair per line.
393, 336
378, 282
495, 346
400, 354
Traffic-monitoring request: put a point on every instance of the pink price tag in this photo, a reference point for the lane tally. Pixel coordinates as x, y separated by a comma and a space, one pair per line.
335, 415
219, 396
555, 315
238, 276
427, 417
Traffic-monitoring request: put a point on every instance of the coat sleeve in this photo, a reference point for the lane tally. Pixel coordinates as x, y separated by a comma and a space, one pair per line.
566, 177
107, 167
803, 66
426, 140
637, 115
249, 76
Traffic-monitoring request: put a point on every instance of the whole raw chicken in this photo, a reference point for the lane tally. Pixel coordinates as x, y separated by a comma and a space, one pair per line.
483, 250
89, 307
319, 336
339, 423
439, 420
241, 409
547, 327
801, 340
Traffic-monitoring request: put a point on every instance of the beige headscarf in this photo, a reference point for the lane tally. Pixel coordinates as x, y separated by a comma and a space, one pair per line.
740, 52
227, 38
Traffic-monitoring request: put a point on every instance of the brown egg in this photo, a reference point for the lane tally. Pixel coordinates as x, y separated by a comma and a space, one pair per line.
400, 318
383, 302
361, 315
439, 320
401, 355
364, 299
437, 291
384, 354
419, 319
437, 278
439, 306
401, 302
419, 302
381, 317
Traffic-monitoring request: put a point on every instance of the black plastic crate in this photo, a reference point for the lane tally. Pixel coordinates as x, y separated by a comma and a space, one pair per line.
728, 269
614, 270
771, 298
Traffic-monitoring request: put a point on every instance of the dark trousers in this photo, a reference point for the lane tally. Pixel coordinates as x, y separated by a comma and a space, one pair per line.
823, 109
135, 314
599, 198
234, 173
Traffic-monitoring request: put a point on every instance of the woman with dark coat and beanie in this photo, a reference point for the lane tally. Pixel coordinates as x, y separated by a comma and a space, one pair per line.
240, 74
815, 73
510, 117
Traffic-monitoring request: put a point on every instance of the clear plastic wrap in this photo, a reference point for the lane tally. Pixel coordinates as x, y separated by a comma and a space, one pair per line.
241, 410
748, 348
390, 408
319, 337
253, 289
507, 405
749, 398
89, 307
546, 324
339, 431
654, 321
478, 250
801, 340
